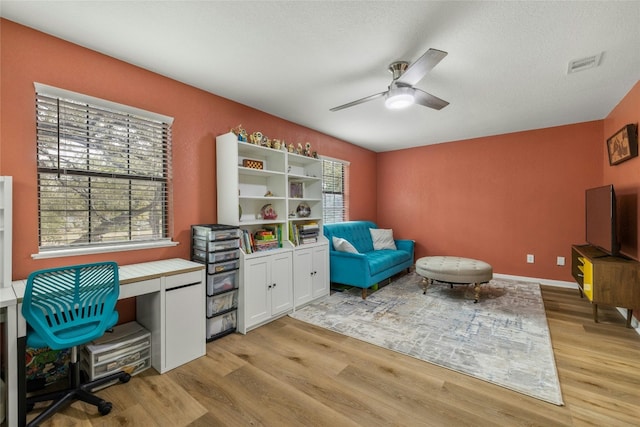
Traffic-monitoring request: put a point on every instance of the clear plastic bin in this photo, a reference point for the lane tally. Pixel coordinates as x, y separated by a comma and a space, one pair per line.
224, 323
211, 257
222, 302
217, 283
223, 266
215, 232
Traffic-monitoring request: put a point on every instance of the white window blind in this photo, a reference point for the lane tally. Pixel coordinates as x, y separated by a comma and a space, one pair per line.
334, 195
103, 172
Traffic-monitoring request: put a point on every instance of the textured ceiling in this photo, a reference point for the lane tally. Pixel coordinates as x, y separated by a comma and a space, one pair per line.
506, 68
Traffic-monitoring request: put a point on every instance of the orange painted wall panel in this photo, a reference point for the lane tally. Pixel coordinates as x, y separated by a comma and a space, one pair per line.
496, 198
625, 176
29, 56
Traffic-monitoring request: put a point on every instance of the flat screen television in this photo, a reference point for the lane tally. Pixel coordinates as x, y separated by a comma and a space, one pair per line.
600, 214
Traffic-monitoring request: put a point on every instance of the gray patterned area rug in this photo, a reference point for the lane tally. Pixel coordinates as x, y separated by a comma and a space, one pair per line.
503, 339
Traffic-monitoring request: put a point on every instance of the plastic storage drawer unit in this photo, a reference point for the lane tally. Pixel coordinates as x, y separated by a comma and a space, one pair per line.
127, 348
218, 247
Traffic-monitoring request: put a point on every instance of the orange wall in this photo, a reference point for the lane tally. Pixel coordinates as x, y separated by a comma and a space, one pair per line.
496, 198
625, 176
29, 56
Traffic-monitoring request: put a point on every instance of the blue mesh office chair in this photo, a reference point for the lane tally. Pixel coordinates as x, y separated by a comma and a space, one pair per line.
67, 307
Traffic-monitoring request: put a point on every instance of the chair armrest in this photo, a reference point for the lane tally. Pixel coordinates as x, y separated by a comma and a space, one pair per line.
345, 264
406, 245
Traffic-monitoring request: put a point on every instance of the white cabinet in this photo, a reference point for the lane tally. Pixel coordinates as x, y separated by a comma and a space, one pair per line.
266, 290
250, 177
310, 273
177, 328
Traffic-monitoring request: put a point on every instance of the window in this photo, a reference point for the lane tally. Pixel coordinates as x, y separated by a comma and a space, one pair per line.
103, 172
334, 195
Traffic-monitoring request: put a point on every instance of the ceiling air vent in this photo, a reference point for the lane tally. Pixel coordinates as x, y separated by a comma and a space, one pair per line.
584, 63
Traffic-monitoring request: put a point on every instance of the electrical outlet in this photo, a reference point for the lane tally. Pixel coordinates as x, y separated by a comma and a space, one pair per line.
560, 260
530, 259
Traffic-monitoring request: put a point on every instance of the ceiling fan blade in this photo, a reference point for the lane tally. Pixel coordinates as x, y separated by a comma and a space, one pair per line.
428, 100
421, 67
359, 101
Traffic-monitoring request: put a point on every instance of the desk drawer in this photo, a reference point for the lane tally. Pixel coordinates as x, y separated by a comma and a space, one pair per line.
141, 287
182, 279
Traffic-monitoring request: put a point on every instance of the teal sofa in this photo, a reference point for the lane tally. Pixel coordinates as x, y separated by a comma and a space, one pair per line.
367, 267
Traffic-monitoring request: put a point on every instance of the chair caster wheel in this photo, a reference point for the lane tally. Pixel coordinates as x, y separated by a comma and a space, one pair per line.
125, 378
104, 407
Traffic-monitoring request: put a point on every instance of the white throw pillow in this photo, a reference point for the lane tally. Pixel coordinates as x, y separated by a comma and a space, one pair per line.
382, 239
342, 245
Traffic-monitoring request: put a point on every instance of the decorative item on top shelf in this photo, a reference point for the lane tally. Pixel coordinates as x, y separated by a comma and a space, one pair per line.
253, 164
256, 138
268, 212
240, 132
303, 210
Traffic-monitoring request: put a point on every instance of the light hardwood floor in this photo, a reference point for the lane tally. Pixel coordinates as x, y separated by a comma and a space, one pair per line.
288, 373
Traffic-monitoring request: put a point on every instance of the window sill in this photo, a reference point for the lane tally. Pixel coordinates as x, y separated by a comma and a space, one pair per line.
53, 253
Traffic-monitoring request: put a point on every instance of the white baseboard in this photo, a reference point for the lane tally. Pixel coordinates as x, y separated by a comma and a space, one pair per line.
562, 284
549, 282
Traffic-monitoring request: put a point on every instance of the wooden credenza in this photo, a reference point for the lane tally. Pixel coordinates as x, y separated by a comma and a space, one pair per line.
607, 280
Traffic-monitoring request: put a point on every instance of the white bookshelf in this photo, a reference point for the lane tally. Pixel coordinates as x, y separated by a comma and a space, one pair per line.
6, 224
242, 191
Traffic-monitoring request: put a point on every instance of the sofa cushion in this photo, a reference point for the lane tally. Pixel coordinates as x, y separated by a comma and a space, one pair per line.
386, 258
382, 239
343, 245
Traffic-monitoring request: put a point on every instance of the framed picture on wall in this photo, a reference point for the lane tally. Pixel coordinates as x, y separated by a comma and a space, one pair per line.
623, 145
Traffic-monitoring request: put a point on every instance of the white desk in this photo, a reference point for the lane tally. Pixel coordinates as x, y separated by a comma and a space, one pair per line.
170, 303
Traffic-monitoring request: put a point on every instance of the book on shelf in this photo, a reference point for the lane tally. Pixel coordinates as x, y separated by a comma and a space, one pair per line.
302, 234
312, 226
307, 240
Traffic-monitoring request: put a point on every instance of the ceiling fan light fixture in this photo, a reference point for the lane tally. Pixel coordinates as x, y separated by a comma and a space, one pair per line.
398, 98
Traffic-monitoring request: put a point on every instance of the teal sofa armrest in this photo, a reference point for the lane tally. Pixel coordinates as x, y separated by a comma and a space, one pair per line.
349, 268
406, 245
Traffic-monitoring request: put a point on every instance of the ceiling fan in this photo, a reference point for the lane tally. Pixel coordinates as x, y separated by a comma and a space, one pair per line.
401, 92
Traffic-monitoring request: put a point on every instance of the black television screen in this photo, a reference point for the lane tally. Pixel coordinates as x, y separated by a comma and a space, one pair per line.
600, 217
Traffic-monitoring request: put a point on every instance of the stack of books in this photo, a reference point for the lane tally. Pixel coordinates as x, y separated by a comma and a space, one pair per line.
264, 240
303, 234
267, 238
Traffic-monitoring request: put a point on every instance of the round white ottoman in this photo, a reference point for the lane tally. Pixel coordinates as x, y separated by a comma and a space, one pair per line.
454, 270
